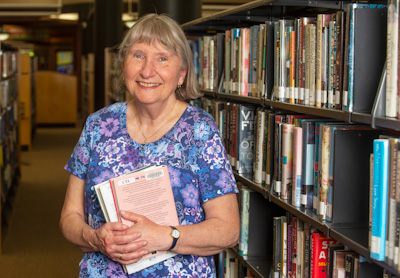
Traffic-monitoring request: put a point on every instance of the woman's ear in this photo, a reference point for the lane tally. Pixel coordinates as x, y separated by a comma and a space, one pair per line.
182, 76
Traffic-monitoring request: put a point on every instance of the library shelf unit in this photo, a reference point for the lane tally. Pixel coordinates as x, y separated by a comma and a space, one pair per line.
9, 139
112, 94
353, 234
87, 84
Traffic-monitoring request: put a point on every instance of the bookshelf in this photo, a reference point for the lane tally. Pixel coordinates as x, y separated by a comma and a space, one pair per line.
352, 233
9, 141
87, 84
111, 94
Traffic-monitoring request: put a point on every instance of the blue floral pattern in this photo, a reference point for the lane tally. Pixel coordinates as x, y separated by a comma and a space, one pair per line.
198, 167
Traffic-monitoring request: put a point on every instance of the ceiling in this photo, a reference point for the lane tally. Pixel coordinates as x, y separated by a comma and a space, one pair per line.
14, 11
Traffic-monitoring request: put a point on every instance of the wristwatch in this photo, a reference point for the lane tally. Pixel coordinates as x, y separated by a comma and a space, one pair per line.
175, 234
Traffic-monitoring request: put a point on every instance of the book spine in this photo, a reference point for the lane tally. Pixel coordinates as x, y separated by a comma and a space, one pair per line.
349, 106
244, 61
245, 140
294, 244
227, 67
397, 238
277, 246
380, 199
235, 34
316, 168
284, 246
307, 180
259, 146
332, 65
392, 213
324, 171
292, 52
340, 42
297, 166
391, 58
245, 222
212, 64
312, 64
287, 160
278, 159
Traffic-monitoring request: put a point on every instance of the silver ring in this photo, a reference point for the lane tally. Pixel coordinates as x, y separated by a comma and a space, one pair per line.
120, 256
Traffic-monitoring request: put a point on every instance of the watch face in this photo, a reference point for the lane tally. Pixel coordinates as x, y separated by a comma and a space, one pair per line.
175, 233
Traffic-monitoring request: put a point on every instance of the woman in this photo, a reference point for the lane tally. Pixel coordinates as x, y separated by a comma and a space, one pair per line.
156, 127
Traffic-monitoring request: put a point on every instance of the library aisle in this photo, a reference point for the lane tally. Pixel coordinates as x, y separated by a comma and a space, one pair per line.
33, 246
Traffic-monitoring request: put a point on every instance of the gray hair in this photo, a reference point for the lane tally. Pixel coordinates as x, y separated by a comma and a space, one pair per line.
161, 28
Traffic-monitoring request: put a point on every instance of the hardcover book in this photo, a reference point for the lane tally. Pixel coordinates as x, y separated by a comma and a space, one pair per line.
319, 246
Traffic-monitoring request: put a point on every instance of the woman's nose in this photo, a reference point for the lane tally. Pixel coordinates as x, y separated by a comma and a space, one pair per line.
148, 69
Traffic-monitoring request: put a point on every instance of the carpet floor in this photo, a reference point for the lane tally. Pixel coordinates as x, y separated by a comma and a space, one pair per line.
33, 245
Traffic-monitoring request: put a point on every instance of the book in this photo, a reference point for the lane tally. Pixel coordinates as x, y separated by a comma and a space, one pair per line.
277, 246
146, 191
297, 165
244, 220
260, 145
287, 160
245, 140
330, 256
380, 199
319, 246
392, 44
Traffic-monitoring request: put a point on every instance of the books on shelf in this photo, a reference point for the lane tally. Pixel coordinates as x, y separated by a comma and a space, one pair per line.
146, 191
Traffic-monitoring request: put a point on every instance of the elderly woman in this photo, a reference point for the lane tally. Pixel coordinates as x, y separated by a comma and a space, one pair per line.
156, 127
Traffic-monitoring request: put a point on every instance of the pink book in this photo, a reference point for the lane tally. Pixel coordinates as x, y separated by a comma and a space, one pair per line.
297, 166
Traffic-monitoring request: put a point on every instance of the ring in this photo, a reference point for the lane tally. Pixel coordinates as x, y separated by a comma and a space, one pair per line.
120, 256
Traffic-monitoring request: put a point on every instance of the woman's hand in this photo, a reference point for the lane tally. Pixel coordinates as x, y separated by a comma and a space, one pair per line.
157, 236
119, 243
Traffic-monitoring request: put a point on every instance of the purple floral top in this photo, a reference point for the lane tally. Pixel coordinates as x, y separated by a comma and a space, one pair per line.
197, 163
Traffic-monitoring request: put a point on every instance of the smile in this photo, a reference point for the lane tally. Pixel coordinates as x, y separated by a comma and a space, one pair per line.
148, 85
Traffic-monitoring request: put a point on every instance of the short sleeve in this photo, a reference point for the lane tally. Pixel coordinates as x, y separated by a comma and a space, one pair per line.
215, 172
80, 157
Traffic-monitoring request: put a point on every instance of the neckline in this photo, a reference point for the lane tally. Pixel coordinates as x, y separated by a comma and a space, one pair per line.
125, 125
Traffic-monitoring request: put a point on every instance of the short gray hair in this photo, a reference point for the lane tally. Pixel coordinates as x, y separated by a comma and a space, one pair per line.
161, 28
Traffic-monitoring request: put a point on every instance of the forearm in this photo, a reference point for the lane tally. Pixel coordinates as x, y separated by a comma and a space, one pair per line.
76, 231
207, 238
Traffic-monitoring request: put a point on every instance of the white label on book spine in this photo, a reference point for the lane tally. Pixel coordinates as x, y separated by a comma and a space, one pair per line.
126, 181
267, 179
324, 97
281, 93
154, 175
375, 243
345, 95
322, 210
304, 199
318, 96
301, 94
278, 187
330, 97
296, 93
307, 96
287, 92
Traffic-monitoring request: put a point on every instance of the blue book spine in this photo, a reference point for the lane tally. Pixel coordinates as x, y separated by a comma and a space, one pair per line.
317, 177
379, 199
308, 164
245, 216
349, 106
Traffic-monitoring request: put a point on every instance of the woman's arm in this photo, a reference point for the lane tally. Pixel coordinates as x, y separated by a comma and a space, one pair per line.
218, 231
112, 239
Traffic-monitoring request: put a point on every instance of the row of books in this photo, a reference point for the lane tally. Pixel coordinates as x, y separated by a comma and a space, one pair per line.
303, 159
318, 61
300, 250
385, 200
231, 266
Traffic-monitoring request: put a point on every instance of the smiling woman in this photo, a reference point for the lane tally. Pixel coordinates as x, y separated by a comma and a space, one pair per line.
157, 127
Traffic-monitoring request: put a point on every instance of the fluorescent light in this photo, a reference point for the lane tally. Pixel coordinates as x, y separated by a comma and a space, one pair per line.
66, 16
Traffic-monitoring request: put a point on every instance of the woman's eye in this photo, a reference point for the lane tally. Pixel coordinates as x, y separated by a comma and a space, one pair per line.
163, 59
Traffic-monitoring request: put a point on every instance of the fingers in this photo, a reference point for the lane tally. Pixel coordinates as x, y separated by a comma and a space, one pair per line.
130, 253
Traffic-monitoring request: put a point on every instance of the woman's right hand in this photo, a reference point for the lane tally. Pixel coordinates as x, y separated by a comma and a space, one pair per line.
116, 241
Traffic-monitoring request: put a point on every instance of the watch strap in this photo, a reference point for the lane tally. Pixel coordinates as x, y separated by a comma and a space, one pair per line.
174, 240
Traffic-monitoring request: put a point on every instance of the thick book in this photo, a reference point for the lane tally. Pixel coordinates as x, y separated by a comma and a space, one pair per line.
297, 165
148, 192
379, 199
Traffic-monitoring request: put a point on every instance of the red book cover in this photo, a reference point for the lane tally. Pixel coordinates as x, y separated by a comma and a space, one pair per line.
319, 248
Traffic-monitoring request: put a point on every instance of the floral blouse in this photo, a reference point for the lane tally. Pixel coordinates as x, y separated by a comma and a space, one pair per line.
198, 167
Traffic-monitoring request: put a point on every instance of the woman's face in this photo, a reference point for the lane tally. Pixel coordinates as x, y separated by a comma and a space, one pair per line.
152, 72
